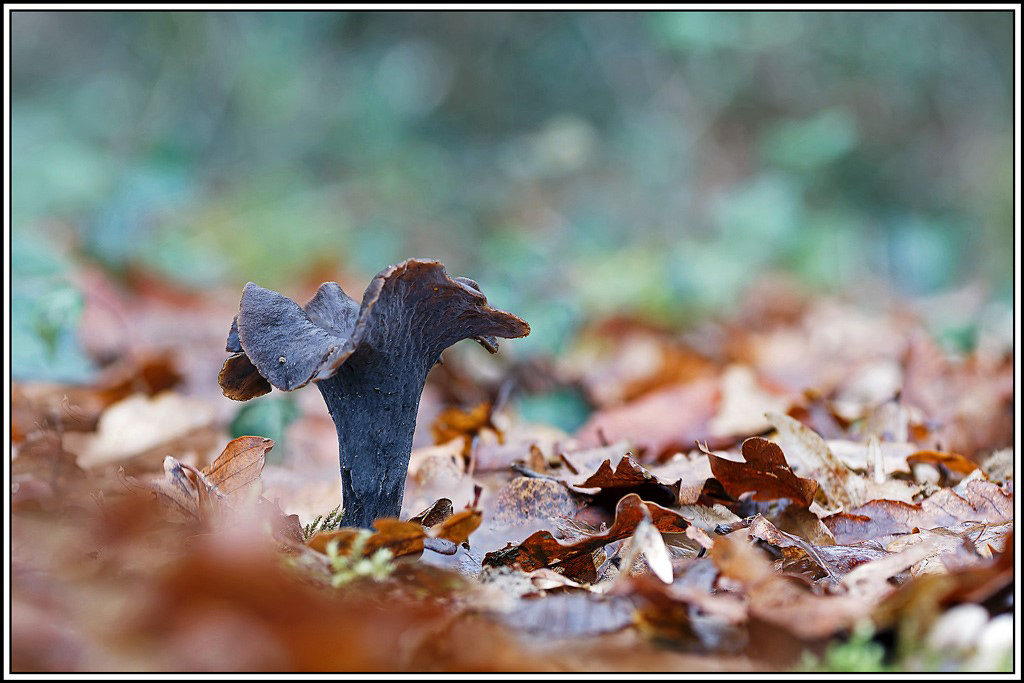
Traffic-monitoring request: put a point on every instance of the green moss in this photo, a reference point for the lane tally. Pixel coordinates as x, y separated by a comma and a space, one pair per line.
859, 654
353, 565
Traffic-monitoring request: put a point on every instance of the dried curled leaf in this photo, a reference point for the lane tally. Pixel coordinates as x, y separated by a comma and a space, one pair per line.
239, 466
630, 477
945, 462
647, 542
435, 514
765, 472
812, 456
456, 423
834, 560
870, 582
916, 604
458, 527
589, 459
401, 538
543, 550
192, 495
977, 501
177, 492
688, 612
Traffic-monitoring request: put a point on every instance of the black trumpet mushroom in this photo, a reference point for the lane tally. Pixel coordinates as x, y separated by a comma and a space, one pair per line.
369, 360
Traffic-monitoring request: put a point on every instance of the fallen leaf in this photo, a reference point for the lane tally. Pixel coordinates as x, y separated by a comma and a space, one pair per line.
708, 518
969, 401
524, 499
854, 454
946, 463
648, 543
278, 622
143, 371
999, 466
456, 423
692, 471
687, 615
803, 522
239, 465
543, 550
918, 603
819, 415
49, 405
177, 492
621, 359
44, 476
190, 495
437, 467
811, 456
979, 501
457, 527
491, 454
700, 537
141, 425
582, 460
765, 472
439, 511
570, 614
779, 600
835, 560
401, 538
987, 539
870, 582
544, 579
630, 477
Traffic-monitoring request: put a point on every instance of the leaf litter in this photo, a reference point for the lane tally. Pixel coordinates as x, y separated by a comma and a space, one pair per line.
860, 475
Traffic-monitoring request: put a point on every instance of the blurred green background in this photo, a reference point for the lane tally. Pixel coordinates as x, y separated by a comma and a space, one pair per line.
575, 164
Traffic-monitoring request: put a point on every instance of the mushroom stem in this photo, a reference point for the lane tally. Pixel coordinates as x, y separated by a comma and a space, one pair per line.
375, 417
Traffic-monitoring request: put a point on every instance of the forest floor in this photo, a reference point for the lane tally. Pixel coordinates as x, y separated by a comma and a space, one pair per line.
808, 484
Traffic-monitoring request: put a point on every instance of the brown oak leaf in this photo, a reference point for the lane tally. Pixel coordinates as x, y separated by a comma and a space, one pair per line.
765, 472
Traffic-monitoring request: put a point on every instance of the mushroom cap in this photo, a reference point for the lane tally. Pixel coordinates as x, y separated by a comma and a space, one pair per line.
413, 307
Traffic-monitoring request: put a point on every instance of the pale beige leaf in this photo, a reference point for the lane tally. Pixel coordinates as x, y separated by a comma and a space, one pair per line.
142, 423
743, 405
808, 453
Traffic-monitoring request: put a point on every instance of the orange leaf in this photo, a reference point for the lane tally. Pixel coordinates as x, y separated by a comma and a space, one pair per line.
953, 462
459, 526
240, 464
401, 538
